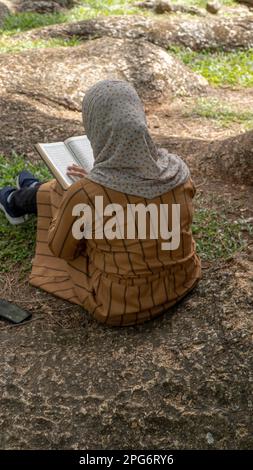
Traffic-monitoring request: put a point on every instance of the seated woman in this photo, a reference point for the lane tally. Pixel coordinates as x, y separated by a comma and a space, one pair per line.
119, 281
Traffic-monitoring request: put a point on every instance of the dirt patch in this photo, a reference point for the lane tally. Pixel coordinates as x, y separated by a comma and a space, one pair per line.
175, 117
26, 121
71, 383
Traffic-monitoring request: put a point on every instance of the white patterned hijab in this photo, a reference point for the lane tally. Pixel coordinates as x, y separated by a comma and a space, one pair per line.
126, 158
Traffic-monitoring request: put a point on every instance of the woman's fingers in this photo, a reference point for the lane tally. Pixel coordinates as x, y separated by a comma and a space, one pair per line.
76, 167
75, 173
75, 170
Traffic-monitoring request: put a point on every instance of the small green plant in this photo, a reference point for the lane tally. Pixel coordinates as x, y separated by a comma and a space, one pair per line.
217, 236
10, 167
17, 242
219, 67
221, 113
86, 9
9, 45
19, 22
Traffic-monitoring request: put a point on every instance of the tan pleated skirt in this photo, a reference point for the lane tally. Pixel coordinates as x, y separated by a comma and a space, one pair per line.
119, 282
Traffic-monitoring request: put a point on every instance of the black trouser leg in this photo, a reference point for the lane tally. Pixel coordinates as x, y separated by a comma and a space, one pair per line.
23, 201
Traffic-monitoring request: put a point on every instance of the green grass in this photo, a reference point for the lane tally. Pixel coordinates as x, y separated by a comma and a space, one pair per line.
17, 243
221, 67
221, 113
216, 236
19, 22
8, 45
87, 9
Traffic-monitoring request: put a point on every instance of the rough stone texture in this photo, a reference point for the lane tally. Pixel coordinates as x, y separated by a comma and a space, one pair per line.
4, 11
63, 74
182, 381
213, 7
42, 79
161, 7
230, 158
247, 2
40, 6
198, 33
149, 4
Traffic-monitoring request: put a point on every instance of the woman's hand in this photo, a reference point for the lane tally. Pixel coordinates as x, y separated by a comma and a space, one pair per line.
77, 171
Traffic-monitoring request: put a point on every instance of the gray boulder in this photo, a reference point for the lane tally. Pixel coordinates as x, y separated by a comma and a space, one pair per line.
4, 11
63, 74
42, 6
228, 32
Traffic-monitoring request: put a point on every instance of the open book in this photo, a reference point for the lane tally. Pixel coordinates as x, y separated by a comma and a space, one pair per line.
59, 155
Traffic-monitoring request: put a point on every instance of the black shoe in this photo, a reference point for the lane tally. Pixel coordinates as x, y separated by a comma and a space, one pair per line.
25, 179
13, 218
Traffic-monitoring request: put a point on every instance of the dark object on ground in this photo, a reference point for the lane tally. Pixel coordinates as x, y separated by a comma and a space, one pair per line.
4, 11
247, 2
40, 6
12, 312
162, 7
213, 7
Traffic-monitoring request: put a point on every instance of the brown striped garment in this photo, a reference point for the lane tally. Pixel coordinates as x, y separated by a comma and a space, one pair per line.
119, 282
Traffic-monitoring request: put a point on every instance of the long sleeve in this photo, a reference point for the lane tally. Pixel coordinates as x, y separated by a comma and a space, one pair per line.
61, 241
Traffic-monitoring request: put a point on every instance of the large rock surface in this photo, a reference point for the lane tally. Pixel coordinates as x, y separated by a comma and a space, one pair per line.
182, 381
4, 12
64, 74
59, 77
228, 158
40, 6
201, 33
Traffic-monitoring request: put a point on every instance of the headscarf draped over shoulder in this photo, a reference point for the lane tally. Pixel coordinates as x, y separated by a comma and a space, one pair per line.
126, 158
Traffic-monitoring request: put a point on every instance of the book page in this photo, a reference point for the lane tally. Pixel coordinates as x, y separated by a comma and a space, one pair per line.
82, 150
60, 157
